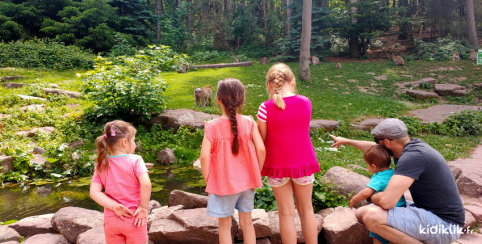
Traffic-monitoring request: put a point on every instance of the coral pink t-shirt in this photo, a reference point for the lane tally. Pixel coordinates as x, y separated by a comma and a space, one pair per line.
229, 174
289, 152
121, 181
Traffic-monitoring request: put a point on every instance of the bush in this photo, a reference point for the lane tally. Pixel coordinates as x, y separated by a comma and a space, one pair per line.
128, 90
325, 197
442, 50
212, 57
44, 54
465, 123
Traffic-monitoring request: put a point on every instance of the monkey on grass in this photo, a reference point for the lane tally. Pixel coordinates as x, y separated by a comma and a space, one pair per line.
202, 95
338, 66
456, 57
473, 55
398, 61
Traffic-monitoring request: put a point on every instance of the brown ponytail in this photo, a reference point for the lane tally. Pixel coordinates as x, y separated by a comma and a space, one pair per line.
113, 132
231, 94
278, 74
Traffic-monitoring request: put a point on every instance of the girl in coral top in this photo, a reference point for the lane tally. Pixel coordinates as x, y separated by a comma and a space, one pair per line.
230, 163
291, 163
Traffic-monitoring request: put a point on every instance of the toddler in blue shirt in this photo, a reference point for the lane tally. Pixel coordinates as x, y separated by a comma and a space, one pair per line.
378, 161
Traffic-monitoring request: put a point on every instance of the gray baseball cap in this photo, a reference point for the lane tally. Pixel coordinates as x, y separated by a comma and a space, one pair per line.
390, 129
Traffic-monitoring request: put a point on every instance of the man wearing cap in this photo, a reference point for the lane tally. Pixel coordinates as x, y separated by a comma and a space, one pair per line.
437, 211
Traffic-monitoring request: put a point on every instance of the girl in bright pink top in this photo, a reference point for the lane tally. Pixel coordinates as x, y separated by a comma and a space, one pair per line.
127, 186
291, 163
230, 163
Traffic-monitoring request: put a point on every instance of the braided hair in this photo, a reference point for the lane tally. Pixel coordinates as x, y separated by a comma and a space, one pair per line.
278, 74
230, 93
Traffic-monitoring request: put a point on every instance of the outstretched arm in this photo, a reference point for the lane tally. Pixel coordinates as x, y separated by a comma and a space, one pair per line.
364, 194
361, 145
395, 189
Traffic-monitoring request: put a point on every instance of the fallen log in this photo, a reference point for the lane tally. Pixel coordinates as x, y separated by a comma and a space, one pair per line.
208, 66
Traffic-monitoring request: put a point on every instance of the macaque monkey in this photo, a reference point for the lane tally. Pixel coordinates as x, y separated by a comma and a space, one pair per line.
183, 68
338, 66
314, 60
473, 55
456, 57
398, 61
202, 95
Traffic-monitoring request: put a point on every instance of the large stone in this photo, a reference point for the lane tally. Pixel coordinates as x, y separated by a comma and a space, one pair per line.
197, 164
470, 221
47, 239
161, 213
260, 222
468, 176
342, 227
10, 85
188, 200
345, 181
53, 85
174, 118
153, 204
11, 242
33, 108
368, 124
167, 231
473, 238
6, 162
418, 83
34, 225
93, 236
166, 156
32, 132
479, 86
73, 221
16, 77
421, 95
25, 97
38, 159
8, 234
450, 90
324, 124
76, 143
439, 113
71, 94
476, 211
275, 238
39, 150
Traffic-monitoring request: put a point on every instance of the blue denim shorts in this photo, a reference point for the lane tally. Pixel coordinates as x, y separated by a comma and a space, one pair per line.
423, 225
223, 206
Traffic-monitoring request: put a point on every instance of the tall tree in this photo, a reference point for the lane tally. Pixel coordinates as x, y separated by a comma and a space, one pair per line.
288, 15
471, 23
354, 44
158, 24
305, 41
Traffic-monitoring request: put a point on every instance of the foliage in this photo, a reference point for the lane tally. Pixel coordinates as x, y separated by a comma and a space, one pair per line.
264, 197
324, 195
211, 57
426, 86
441, 50
465, 123
44, 54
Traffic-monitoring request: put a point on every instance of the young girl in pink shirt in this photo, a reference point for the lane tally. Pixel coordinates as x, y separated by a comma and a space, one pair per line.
230, 163
290, 165
125, 179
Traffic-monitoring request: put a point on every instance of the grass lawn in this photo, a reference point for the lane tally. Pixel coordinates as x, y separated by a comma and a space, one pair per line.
334, 93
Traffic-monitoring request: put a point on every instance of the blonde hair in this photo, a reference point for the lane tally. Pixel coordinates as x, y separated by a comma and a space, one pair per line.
278, 74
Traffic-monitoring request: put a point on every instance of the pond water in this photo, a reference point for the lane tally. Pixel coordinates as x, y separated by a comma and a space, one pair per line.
18, 201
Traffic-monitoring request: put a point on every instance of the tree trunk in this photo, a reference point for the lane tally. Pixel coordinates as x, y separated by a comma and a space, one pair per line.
189, 15
471, 23
403, 27
394, 4
354, 43
265, 22
226, 7
305, 41
178, 4
158, 25
288, 16
283, 12
325, 3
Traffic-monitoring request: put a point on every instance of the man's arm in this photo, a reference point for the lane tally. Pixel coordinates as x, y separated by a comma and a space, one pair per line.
361, 145
395, 189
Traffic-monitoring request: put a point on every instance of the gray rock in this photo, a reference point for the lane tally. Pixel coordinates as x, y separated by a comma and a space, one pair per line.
470, 221
161, 213
34, 225
76, 143
33, 108
174, 118
39, 150
345, 182
476, 211
324, 124
47, 239
354, 166
468, 176
11, 242
450, 90
166, 156
32, 132
71, 94
16, 77
188, 200
6, 162
260, 222
474, 238
93, 236
479, 86
153, 204
24, 97
342, 227
8, 234
368, 124
421, 95
10, 85
325, 212
53, 85
73, 221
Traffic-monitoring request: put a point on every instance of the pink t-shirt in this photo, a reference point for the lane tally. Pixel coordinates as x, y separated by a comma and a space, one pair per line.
229, 174
289, 152
121, 181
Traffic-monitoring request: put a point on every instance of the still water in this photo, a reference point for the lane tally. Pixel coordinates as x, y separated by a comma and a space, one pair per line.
18, 201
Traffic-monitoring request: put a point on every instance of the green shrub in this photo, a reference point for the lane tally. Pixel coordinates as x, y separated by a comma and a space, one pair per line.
441, 50
264, 197
414, 125
44, 54
212, 57
426, 86
467, 122
126, 90
324, 196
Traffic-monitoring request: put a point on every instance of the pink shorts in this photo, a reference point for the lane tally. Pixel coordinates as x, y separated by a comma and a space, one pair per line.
277, 182
118, 231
